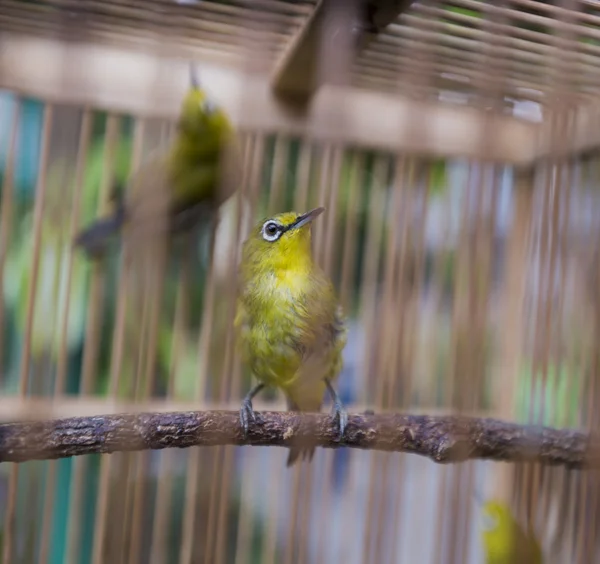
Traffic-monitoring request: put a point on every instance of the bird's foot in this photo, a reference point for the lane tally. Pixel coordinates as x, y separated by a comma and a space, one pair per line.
246, 411
247, 414
338, 413
339, 416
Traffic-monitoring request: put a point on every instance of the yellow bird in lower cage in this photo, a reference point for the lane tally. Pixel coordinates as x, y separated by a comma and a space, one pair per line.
504, 540
289, 324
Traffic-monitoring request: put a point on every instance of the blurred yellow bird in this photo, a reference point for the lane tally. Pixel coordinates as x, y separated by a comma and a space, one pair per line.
181, 183
504, 540
290, 327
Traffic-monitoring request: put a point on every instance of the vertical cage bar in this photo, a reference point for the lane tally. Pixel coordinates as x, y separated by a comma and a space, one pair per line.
155, 268
61, 369
90, 354
91, 349
132, 297
163, 507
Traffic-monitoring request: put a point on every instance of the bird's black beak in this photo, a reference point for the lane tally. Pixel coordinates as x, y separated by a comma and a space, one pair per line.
307, 217
194, 78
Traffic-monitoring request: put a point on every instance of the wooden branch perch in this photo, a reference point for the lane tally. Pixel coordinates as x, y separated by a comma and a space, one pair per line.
442, 439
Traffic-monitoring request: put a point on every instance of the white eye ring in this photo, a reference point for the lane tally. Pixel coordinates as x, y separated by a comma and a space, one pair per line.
489, 522
271, 231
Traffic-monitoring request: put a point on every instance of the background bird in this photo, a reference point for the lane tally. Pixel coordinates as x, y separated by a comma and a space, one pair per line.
178, 186
504, 540
289, 324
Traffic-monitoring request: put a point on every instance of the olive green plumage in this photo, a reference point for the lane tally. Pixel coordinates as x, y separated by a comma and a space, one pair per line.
289, 324
181, 184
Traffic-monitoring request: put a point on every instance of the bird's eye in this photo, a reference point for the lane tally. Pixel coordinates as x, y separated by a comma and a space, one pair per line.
271, 231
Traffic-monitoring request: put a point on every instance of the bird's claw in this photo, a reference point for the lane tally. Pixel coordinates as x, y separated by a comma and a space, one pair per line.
339, 415
247, 414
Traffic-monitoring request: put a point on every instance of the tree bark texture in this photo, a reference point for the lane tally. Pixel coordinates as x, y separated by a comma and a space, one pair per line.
443, 439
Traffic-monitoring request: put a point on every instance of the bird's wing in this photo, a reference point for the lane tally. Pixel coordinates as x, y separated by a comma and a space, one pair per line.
240, 323
145, 233
148, 200
321, 356
328, 332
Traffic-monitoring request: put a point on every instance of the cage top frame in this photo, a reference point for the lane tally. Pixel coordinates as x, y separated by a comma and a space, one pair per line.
485, 57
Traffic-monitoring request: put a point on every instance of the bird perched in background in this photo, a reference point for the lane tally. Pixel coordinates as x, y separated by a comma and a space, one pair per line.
505, 542
289, 325
181, 183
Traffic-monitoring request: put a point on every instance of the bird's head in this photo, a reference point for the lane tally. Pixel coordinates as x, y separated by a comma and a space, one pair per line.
496, 515
199, 115
504, 540
280, 242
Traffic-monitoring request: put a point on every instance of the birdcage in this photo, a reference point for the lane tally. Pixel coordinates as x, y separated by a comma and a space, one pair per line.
453, 146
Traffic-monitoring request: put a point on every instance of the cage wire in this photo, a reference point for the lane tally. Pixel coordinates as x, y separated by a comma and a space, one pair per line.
457, 162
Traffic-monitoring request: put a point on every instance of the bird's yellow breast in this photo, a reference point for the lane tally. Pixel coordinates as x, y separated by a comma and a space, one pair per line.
279, 316
270, 318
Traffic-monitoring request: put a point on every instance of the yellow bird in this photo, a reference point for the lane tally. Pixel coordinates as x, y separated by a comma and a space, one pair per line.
504, 540
181, 183
290, 327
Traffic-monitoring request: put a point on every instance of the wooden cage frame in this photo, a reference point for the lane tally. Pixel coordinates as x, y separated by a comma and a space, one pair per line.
106, 55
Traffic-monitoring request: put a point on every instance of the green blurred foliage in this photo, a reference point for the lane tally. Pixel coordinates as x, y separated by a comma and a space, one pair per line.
463, 11
51, 289
93, 178
184, 360
55, 253
590, 40
516, 21
555, 402
438, 180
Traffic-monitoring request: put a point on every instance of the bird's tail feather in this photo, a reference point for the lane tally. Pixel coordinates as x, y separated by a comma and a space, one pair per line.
95, 238
298, 451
